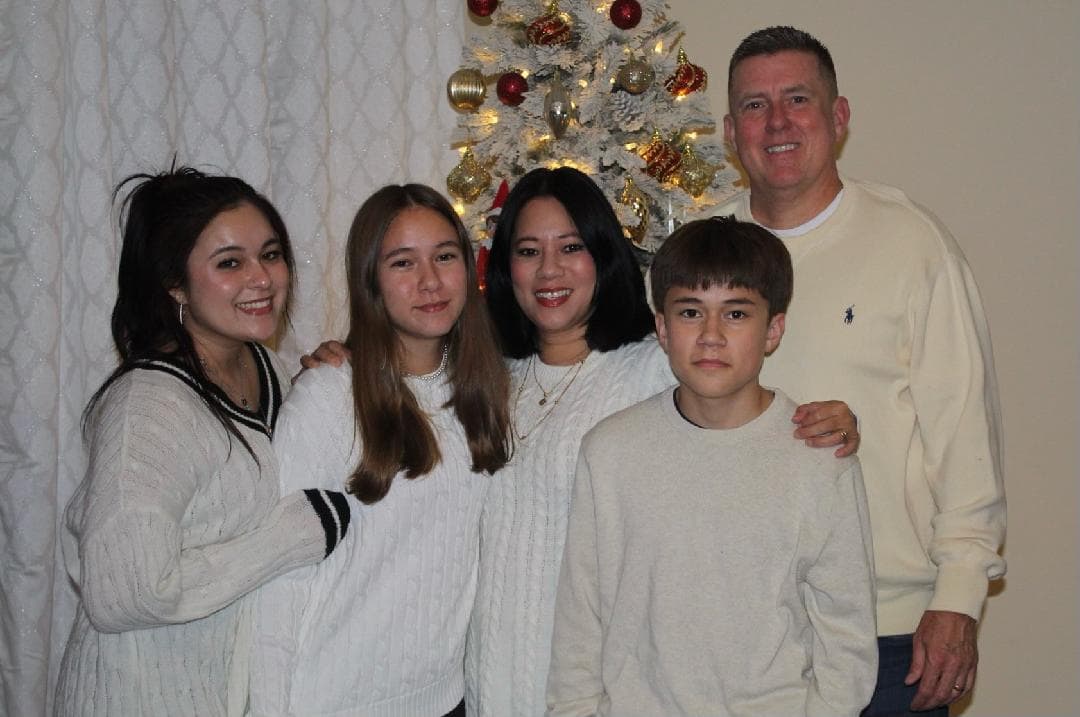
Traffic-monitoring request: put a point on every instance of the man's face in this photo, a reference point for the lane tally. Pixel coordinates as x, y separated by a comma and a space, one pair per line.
784, 124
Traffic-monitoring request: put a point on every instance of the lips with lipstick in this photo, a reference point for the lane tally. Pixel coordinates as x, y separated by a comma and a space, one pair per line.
258, 307
552, 297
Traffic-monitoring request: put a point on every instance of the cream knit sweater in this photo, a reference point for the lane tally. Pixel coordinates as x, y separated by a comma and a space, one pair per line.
713, 572
886, 316
173, 525
524, 522
378, 628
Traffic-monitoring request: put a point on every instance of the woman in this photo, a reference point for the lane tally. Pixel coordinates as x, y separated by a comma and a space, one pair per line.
179, 514
568, 301
414, 424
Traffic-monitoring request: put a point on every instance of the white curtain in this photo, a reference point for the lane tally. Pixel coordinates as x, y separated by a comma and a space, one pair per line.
315, 103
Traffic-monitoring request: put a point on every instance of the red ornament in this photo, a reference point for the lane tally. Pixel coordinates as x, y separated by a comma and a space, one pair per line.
688, 77
551, 28
481, 268
482, 8
511, 89
661, 159
625, 14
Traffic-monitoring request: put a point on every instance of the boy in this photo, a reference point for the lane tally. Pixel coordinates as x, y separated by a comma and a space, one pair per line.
714, 566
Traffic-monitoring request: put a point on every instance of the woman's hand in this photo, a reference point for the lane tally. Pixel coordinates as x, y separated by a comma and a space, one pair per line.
827, 423
331, 352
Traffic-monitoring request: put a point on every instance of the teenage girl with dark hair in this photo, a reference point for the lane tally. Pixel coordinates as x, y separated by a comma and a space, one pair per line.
179, 515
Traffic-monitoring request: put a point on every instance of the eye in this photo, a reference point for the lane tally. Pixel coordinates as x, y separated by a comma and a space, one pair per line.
752, 105
574, 247
799, 99
526, 251
229, 263
737, 314
447, 257
273, 255
400, 263
690, 313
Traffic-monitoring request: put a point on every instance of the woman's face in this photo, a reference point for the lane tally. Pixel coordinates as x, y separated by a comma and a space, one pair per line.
237, 281
423, 279
553, 273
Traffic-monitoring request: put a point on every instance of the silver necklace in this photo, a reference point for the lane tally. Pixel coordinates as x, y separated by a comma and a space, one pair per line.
228, 387
437, 372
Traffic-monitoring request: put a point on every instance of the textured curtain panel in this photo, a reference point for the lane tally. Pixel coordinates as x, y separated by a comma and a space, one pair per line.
316, 104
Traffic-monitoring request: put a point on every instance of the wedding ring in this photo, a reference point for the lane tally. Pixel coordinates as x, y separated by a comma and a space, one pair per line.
843, 436
958, 688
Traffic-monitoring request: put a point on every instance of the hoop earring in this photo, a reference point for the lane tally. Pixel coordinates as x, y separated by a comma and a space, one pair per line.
181, 314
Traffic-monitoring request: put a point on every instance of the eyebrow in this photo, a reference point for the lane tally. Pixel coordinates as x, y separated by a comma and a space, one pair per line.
566, 235
236, 247
802, 87
403, 249
738, 301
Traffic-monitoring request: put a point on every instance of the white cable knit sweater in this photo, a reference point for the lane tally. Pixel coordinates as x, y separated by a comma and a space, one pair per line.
525, 518
379, 627
172, 525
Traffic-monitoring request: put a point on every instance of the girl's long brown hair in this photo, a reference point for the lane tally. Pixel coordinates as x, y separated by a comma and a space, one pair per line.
395, 432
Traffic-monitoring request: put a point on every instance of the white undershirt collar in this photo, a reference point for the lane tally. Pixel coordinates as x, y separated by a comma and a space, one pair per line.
813, 223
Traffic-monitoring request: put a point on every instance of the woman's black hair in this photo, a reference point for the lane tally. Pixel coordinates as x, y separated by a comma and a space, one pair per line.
619, 314
161, 218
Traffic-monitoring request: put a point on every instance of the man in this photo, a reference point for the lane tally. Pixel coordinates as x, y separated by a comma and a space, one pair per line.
886, 316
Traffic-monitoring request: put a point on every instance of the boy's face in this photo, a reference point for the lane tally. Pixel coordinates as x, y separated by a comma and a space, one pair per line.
716, 340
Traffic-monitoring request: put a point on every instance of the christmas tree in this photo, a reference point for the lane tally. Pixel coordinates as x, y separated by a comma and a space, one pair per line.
599, 85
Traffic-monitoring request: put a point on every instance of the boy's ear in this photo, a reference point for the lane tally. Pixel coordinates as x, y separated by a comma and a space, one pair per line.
774, 333
661, 329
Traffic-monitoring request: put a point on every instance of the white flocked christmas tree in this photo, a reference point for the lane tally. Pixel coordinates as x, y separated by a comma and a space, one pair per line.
600, 85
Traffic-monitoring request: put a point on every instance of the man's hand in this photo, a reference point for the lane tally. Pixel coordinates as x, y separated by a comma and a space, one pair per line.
943, 659
331, 352
827, 423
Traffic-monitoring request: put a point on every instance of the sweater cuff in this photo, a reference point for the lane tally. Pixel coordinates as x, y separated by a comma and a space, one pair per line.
332, 507
960, 588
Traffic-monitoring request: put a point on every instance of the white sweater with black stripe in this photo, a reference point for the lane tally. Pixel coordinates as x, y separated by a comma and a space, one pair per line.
173, 525
379, 627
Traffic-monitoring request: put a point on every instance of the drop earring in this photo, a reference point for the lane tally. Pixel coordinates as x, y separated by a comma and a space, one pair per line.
181, 314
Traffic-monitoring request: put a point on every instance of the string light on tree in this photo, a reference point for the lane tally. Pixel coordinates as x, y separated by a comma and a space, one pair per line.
581, 63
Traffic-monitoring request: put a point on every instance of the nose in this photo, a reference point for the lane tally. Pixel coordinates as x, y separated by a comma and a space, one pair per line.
777, 118
429, 279
259, 276
550, 265
712, 332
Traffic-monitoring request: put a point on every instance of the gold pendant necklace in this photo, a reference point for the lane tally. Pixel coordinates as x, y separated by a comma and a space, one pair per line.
573, 372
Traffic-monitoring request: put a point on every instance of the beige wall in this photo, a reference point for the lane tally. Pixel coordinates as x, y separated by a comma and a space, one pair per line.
972, 107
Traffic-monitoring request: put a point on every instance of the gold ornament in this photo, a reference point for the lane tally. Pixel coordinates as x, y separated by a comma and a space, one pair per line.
695, 174
687, 78
466, 89
551, 28
639, 204
635, 76
468, 179
661, 159
558, 108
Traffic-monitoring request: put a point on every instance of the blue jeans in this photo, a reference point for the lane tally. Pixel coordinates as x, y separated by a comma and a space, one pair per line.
892, 698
